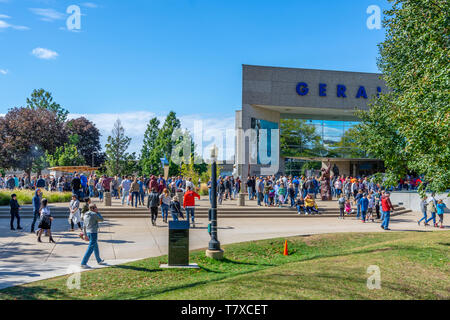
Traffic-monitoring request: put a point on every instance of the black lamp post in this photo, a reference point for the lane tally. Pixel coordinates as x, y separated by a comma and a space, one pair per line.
214, 250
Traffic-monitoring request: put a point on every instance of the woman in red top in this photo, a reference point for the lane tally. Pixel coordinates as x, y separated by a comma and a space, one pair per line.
189, 203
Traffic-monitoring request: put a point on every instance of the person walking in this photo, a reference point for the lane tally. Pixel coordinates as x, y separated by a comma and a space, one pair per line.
45, 223
358, 196
341, 203
189, 204
440, 207
91, 220
164, 201
363, 204
125, 186
152, 204
423, 208
134, 193
175, 209
387, 208
74, 216
431, 207
14, 211
36, 206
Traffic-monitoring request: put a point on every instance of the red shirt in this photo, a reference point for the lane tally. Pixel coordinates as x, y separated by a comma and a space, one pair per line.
189, 198
386, 204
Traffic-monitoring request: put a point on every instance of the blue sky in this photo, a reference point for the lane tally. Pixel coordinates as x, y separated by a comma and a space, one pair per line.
135, 59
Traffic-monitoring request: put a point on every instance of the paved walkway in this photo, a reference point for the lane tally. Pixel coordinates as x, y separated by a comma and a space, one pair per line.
23, 260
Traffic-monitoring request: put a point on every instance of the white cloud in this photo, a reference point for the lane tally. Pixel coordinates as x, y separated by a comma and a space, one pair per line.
135, 124
45, 54
89, 5
48, 14
4, 71
5, 25
4, 16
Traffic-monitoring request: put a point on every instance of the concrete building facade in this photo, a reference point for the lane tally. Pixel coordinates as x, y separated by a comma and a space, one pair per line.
270, 94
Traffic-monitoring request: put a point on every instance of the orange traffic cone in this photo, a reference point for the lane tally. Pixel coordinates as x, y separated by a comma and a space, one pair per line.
285, 253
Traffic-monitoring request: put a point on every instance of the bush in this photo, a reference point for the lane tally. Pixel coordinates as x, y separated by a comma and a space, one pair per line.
26, 196
203, 189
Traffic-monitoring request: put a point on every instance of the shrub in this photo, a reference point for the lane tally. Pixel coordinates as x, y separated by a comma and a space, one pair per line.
26, 196
203, 189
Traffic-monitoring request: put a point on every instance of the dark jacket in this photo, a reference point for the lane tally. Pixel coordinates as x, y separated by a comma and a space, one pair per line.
40, 183
36, 202
153, 200
14, 205
76, 184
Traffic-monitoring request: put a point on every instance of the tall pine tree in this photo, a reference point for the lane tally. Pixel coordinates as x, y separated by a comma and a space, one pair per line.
150, 159
118, 143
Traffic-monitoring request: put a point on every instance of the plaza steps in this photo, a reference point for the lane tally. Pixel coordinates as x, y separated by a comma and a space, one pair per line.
200, 212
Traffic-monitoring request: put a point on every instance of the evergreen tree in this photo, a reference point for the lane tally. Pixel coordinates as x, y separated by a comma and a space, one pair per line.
117, 157
150, 159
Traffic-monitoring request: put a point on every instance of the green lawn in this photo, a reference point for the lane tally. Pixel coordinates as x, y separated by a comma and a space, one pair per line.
414, 265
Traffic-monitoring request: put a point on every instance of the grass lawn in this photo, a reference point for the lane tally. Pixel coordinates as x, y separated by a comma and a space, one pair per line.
414, 265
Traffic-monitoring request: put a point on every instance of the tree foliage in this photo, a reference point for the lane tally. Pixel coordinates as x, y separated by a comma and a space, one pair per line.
27, 134
41, 99
347, 146
66, 155
409, 127
117, 157
150, 157
298, 139
88, 144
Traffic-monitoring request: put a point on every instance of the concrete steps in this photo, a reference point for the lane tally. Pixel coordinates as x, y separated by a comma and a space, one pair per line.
200, 212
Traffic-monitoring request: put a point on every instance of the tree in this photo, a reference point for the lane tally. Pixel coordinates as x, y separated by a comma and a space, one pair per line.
117, 157
26, 134
66, 155
41, 99
298, 139
164, 144
88, 143
150, 159
409, 127
348, 146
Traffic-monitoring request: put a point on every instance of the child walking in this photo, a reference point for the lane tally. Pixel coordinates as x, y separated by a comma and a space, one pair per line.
440, 212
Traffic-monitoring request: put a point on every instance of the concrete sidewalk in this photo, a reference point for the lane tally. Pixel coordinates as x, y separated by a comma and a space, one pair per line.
23, 259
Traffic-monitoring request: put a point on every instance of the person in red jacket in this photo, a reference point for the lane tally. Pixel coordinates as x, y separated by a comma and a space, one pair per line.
387, 208
189, 203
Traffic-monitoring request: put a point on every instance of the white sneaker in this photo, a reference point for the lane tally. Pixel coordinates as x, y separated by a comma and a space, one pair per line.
85, 266
102, 263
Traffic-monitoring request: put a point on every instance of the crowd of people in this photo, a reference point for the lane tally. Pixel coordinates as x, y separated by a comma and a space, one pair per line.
177, 195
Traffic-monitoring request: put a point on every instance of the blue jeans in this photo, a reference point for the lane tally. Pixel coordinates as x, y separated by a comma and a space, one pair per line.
300, 209
142, 197
175, 217
125, 196
292, 201
165, 211
266, 198
91, 191
36, 216
358, 214
433, 217
190, 212
250, 193
134, 198
260, 197
424, 216
387, 216
93, 247
100, 195
363, 215
382, 214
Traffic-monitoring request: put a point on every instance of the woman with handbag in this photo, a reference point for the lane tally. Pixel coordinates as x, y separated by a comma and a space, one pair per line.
46, 221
